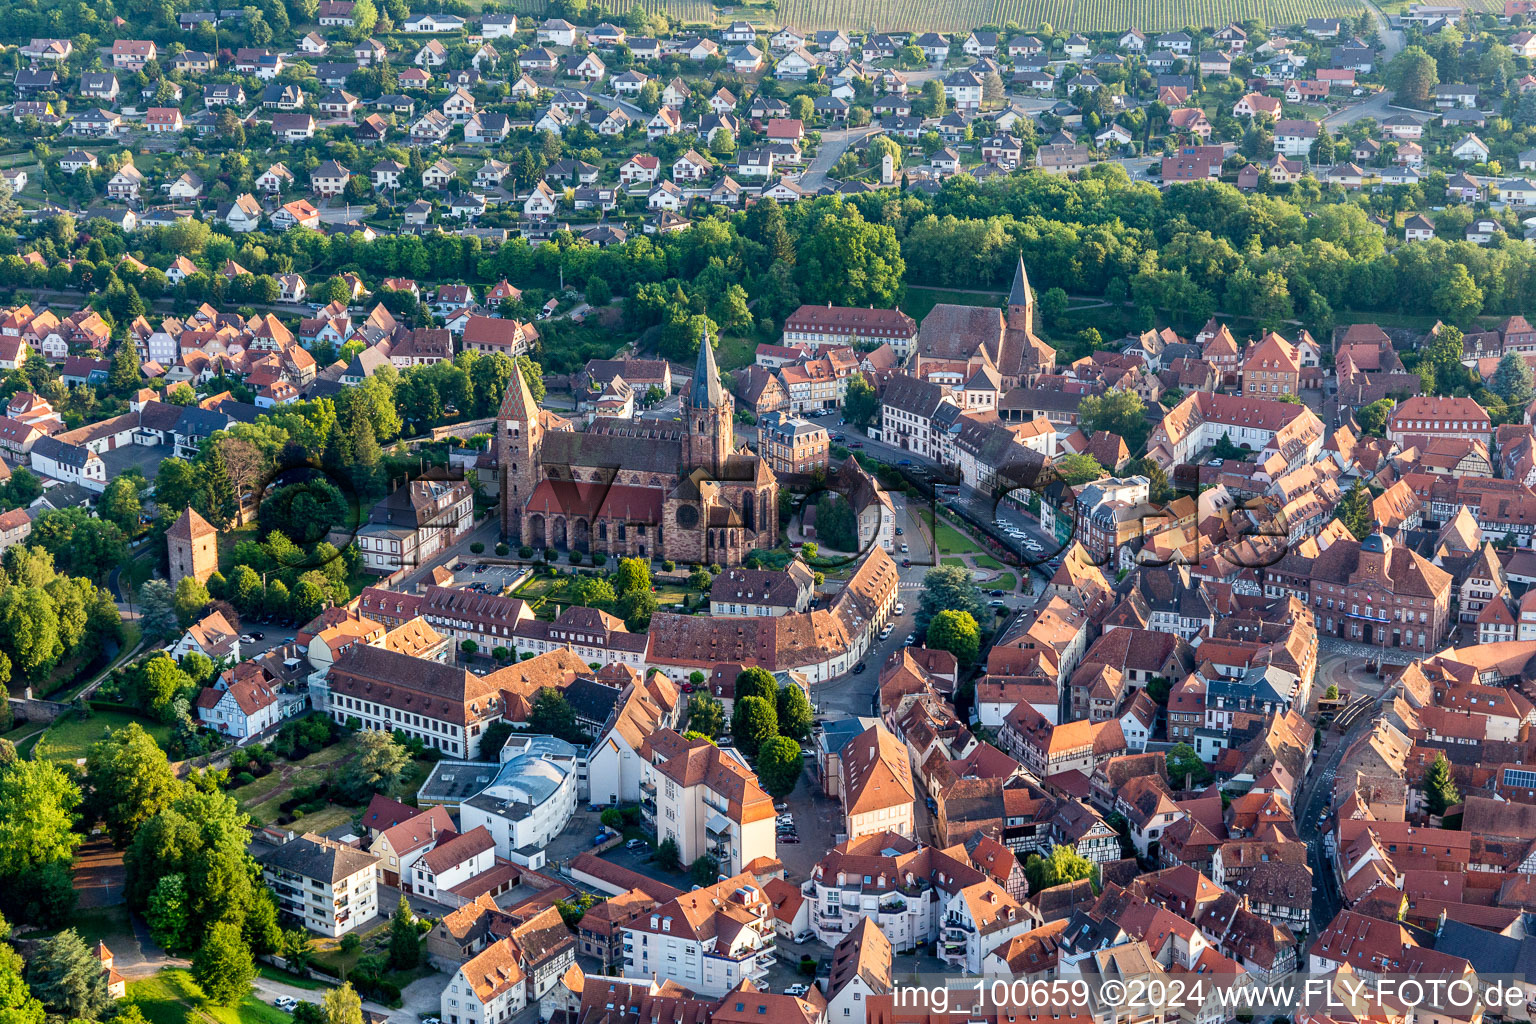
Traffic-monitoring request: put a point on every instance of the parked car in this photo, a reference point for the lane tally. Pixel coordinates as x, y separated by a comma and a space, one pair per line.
898, 531
246, 638
285, 1003
781, 806
791, 840
901, 607
805, 936
858, 668
257, 634
797, 989
635, 844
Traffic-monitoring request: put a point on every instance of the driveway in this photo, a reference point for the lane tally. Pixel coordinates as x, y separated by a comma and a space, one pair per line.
834, 143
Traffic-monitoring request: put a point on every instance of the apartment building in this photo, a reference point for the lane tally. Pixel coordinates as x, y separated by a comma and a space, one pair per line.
791, 445
706, 799
709, 940
415, 523
877, 790
327, 886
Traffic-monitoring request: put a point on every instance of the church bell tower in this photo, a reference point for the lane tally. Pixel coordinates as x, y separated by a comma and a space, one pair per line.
709, 432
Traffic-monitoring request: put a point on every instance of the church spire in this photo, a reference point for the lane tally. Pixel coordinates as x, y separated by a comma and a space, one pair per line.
1019, 294
705, 391
518, 403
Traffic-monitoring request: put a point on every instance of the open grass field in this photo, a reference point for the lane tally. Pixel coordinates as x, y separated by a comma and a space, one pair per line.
69, 737
919, 301
103, 924
172, 997
962, 15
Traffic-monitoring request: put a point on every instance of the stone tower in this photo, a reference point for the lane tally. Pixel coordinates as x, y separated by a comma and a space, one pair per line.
193, 548
1021, 302
519, 436
709, 432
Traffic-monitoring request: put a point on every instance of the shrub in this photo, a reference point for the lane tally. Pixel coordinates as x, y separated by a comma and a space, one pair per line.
599, 558
477, 547
525, 552
612, 818
502, 549
668, 566
575, 557
350, 942
550, 554
244, 779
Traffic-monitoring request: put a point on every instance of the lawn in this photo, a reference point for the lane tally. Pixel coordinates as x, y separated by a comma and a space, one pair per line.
987, 562
172, 997
1006, 581
555, 590
103, 924
330, 957
734, 352
263, 799
68, 737
920, 301
952, 542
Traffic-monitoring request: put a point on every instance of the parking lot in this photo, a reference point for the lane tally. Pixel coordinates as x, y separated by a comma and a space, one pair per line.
495, 577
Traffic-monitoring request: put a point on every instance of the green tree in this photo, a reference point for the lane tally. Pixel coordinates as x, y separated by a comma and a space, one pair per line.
836, 524
794, 712
119, 505
595, 591
17, 1004
1063, 865
1119, 412
1355, 511
779, 765
125, 374
342, 1005
755, 681
636, 608
223, 966
1184, 763
861, 404
705, 870
667, 854
957, 633
157, 608
1412, 74
1079, 469
37, 818
1458, 297
948, 588
81, 544
223, 505
130, 779
1439, 787
553, 714
1512, 380
68, 979
632, 574
404, 939
705, 715
167, 913
1373, 418
191, 599
380, 763
753, 723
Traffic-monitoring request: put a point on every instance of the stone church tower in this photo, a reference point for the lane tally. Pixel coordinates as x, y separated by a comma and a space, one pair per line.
1021, 303
519, 436
192, 545
709, 429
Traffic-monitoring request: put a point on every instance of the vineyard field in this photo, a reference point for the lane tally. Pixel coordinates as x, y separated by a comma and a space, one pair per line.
962, 15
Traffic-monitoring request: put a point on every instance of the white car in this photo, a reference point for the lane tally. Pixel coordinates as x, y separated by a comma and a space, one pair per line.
797, 989
900, 608
246, 638
285, 1003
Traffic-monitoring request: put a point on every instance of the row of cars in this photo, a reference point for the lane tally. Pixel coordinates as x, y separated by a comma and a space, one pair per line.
784, 826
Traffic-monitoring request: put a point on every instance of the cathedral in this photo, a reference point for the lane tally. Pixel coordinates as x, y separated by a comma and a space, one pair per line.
644, 488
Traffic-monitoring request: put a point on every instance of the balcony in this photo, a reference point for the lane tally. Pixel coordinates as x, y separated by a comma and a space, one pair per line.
893, 907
